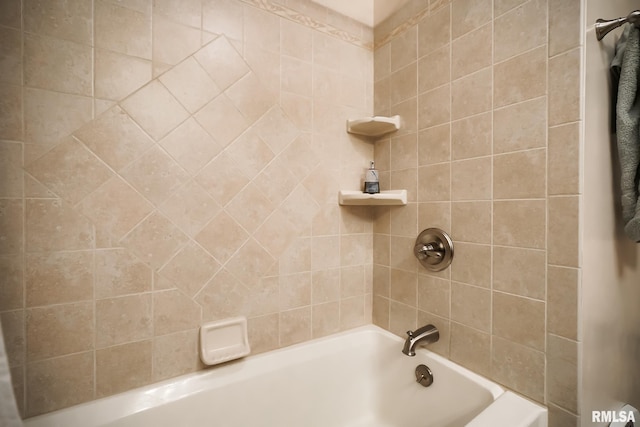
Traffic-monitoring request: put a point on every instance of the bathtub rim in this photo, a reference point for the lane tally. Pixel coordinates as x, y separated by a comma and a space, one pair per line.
111, 408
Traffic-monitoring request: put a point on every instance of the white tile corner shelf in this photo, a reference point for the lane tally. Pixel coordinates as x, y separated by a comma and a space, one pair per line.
387, 197
373, 126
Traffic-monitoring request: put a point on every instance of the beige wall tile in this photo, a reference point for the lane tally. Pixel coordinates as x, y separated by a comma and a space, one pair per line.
118, 272
401, 318
262, 29
404, 221
563, 290
472, 264
173, 311
172, 42
434, 69
295, 291
295, 326
471, 52
123, 319
510, 40
190, 84
50, 225
295, 40
325, 286
352, 312
519, 271
70, 170
222, 179
123, 367
11, 122
223, 17
175, 354
471, 94
11, 13
250, 274
562, 372
434, 107
503, 6
296, 76
434, 182
11, 226
191, 268
471, 306
191, 146
403, 84
519, 223
157, 122
48, 116
14, 335
404, 287
251, 97
115, 207
564, 237
57, 65
518, 367
58, 277
404, 49
434, 145
564, 25
11, 171
11, 286
68, 20
117, 75
520, 126
155, 240
436, 214
470, 348
263, 333
520, 175
434, 32
380, 312
122, 30
60, 382
434, 295
471, 222
277, 130
187, 13
115, 138
564, 87
224, 296
471, 137
325, 319
401, 253
249, 207
471, 179
561, 417
469, 15
59, 330
563, 162
520, 78
11, 69
519, 319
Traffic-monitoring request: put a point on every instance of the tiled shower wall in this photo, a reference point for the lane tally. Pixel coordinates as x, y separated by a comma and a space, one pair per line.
490, 92
168, 163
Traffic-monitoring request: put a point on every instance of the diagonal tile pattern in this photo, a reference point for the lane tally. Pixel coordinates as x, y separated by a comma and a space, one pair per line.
167, 187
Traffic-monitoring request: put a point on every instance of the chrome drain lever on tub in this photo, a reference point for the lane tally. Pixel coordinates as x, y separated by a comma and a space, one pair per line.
424, 376
429, 334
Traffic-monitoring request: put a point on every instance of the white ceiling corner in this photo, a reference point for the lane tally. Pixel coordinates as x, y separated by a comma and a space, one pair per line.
368, 12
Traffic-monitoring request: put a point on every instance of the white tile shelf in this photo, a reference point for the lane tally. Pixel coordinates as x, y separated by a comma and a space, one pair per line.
387, 197
373, 126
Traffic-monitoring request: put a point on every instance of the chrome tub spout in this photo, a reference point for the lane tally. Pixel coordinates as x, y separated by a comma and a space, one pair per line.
427, 334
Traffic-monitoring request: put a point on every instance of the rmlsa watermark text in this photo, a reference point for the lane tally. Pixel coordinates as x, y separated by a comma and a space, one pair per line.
612, 416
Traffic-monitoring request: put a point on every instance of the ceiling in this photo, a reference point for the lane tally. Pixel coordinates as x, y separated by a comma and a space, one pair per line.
368, 12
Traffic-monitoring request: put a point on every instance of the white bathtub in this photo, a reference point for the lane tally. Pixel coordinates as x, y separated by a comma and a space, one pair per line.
356, 378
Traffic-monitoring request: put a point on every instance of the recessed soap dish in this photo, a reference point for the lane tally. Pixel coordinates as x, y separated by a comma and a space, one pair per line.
224, 340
